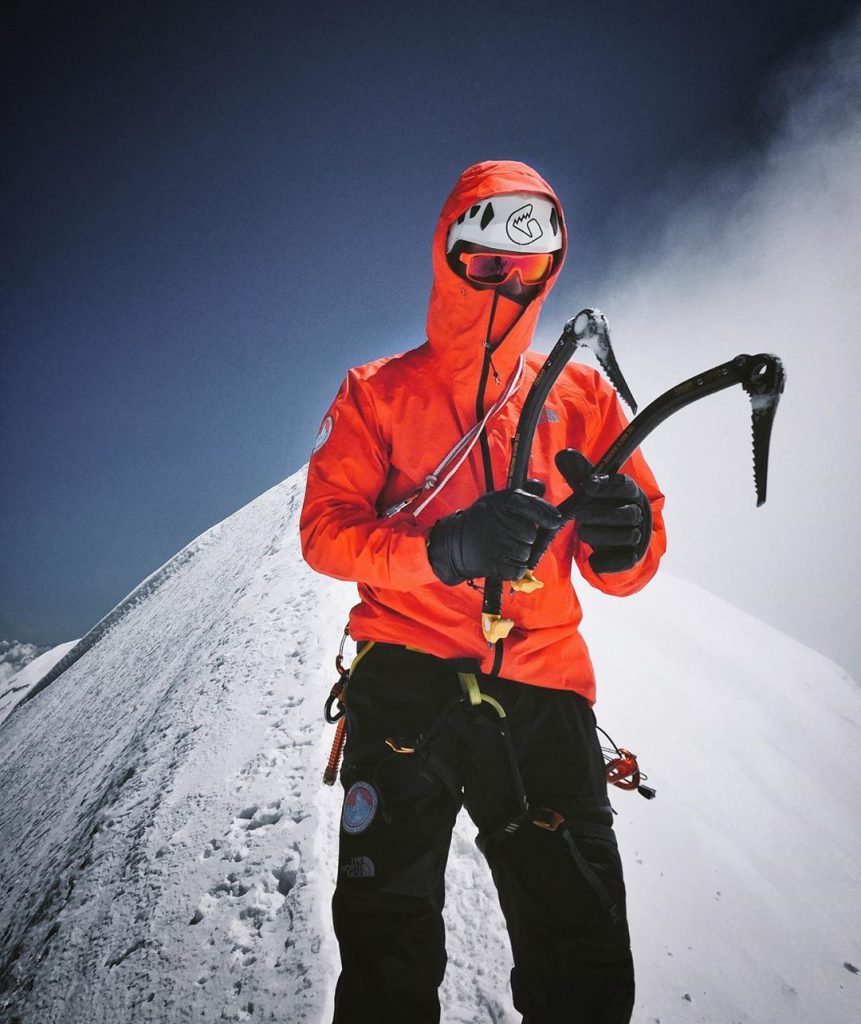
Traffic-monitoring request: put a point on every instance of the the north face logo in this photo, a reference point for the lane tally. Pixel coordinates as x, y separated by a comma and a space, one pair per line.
357, 867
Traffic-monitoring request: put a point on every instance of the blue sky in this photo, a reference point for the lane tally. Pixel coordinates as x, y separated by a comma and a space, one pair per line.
212, 210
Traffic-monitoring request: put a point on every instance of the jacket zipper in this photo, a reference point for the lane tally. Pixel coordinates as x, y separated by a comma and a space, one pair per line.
485, 444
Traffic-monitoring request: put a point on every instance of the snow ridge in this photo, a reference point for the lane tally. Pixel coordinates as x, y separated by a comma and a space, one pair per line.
162, 857
173, 849
115, 615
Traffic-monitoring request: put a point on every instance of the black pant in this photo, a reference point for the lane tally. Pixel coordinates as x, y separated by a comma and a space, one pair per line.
561, 890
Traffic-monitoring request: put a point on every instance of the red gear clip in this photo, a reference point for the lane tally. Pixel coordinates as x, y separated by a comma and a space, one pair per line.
623, 771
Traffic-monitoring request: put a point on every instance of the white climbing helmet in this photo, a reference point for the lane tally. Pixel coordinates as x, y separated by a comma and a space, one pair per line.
512, 222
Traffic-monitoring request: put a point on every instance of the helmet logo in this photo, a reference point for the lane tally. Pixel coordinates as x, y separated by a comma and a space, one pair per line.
522, 228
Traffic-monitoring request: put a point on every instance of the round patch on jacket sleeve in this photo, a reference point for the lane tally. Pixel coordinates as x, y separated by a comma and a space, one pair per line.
323, 435
360, 806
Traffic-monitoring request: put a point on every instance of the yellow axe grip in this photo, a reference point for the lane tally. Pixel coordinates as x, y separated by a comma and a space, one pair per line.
495, 627
527, 584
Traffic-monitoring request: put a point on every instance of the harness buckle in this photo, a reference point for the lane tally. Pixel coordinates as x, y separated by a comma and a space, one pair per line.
548, 819
399, 746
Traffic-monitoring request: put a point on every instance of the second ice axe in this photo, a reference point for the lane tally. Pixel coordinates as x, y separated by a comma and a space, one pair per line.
586, 330
763, 379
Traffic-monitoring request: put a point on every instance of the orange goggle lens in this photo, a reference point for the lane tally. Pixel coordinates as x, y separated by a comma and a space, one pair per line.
495, 267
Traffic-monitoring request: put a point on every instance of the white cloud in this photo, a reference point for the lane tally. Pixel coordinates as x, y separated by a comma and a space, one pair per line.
766, 258
14, 655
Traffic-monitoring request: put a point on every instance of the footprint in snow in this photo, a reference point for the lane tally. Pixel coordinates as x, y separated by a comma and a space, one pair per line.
258, 817
211, 847
287, 872
231, 886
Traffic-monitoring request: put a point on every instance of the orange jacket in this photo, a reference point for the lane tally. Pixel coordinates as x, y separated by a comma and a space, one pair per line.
391, 424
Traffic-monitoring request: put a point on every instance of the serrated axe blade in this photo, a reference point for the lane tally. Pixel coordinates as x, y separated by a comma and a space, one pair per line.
766, 378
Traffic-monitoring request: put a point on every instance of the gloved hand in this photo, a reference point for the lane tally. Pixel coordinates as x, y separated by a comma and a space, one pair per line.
494, 537
612, 514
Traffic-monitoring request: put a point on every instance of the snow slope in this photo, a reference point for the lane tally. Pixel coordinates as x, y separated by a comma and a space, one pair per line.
169, 850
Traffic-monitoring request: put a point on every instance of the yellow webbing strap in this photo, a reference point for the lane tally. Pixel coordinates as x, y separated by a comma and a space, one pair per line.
497, 707
469, 685
471, 689
360, 655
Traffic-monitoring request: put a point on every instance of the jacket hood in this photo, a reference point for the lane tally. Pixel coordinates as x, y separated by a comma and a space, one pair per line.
458, 314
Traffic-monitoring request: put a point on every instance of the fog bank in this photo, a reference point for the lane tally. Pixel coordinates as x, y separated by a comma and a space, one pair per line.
766, 257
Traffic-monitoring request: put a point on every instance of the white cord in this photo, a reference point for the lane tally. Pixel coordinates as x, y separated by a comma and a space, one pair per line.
463, 447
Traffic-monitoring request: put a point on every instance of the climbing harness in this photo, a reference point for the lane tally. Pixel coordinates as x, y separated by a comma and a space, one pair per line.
621, 767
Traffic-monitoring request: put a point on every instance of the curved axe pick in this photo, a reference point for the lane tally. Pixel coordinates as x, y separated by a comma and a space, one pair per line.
762, 377
590, 327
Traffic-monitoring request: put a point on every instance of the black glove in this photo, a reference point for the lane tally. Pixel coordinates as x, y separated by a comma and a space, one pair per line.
493, 538
613, 515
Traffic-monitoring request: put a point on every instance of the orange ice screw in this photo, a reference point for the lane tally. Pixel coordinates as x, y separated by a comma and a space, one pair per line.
330, 775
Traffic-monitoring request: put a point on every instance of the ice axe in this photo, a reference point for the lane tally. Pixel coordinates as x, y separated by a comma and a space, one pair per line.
762, 377
586, 330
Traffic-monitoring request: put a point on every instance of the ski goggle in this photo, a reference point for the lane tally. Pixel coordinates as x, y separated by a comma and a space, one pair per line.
497, 267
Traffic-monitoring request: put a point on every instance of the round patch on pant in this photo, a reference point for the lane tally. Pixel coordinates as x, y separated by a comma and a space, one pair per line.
360, 806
